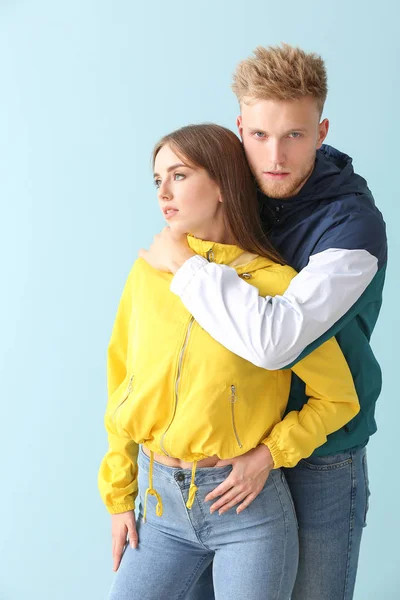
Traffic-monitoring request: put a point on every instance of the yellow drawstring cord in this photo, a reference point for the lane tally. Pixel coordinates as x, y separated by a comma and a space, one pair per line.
193, 488
150, 490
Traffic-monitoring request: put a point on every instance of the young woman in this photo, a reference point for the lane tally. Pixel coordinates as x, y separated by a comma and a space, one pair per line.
191, 404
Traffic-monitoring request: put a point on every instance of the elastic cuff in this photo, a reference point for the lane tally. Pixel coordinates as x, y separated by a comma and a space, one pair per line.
186, 272
115, 509
276, 454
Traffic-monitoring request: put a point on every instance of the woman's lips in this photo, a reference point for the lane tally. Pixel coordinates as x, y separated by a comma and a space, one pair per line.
171, 212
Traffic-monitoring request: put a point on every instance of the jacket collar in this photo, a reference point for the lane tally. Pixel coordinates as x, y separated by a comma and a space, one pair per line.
214, 251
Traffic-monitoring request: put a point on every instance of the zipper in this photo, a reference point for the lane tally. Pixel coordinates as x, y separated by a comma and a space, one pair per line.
125, 398
233, 398
178, 376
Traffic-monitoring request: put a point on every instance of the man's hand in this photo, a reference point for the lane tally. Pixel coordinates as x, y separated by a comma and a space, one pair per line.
244, 483
168, 251
122, 525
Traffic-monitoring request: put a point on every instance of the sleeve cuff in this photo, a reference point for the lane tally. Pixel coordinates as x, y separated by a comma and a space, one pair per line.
276, 454
185, 274
115, 509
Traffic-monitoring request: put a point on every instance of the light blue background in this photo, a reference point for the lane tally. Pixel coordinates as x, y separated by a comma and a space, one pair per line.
86, 88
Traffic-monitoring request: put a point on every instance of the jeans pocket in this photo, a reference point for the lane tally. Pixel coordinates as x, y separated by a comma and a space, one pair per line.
289, 494
367, 490
327, 463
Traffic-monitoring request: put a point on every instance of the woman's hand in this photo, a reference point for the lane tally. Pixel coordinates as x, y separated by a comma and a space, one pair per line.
246, 480
168, 251
122, 525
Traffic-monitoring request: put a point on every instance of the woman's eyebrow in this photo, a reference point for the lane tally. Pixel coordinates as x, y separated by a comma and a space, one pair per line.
172, 167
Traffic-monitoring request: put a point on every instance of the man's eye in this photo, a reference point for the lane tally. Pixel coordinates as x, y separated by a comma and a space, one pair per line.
295, 135
157, 183
259, 135
179, 176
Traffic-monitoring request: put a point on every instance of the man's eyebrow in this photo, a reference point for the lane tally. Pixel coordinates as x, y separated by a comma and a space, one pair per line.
172, 167
256, 129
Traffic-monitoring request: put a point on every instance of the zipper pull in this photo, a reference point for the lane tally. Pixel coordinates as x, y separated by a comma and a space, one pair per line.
130, 386
233, 397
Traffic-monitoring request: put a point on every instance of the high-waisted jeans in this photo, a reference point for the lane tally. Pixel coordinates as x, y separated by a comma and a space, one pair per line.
254, 554
331, 496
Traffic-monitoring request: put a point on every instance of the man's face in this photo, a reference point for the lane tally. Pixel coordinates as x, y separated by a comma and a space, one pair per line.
280, 138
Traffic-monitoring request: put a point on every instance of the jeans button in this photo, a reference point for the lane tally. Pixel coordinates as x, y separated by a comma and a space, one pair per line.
180, 477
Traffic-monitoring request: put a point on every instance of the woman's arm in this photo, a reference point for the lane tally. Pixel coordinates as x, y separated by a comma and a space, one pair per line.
118, 470
332, 403
117, 477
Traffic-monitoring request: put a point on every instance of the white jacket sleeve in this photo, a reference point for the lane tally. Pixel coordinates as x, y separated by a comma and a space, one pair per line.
272, 332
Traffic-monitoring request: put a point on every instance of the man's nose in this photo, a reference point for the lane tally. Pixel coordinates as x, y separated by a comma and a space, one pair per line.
276, 152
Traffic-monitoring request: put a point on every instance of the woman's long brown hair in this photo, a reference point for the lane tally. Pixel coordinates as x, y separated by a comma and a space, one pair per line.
220, 152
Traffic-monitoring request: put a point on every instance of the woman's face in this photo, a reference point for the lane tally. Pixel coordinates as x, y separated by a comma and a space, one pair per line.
189, 199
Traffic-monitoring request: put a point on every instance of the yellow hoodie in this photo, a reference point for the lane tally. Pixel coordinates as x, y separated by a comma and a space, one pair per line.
172, 387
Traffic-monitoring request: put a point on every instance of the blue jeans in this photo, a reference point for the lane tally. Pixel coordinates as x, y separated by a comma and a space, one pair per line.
330, 494
254, 554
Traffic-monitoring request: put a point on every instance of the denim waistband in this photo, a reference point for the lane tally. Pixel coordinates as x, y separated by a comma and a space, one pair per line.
204, 475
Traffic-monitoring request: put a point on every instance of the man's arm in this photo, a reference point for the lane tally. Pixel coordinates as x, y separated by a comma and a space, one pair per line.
272, 332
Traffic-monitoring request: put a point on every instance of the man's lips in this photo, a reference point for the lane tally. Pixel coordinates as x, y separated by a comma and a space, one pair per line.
277, 175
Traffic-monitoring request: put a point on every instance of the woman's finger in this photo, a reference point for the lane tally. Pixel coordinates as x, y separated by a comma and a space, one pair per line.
118, 551
238, 498
132, 534
248, 500
222, 488
226, 498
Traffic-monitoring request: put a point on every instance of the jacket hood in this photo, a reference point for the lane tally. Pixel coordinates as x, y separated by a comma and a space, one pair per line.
333, 176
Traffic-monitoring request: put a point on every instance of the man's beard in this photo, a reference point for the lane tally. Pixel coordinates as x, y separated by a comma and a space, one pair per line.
287, 188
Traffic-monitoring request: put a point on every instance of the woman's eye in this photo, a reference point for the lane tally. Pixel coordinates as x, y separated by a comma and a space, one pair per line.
179, 176
157, 183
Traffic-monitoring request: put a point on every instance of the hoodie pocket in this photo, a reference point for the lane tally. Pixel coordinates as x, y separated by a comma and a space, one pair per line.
233, 399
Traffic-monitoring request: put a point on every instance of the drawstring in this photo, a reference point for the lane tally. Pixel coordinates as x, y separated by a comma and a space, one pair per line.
193, 488
150, 490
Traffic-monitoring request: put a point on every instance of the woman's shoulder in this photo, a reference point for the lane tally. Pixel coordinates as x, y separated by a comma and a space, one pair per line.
273, 279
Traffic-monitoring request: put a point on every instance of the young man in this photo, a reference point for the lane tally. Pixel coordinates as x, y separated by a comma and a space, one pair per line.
321, 216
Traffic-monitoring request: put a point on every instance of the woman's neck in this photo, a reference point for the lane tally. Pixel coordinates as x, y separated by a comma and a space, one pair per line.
218, 235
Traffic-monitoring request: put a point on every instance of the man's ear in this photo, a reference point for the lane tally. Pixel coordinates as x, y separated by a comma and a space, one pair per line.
323, 129
240, 126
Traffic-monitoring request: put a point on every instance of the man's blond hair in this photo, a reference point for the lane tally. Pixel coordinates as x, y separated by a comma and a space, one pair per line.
281, 73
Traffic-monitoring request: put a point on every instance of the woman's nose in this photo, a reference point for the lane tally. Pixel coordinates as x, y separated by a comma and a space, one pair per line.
164, 193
